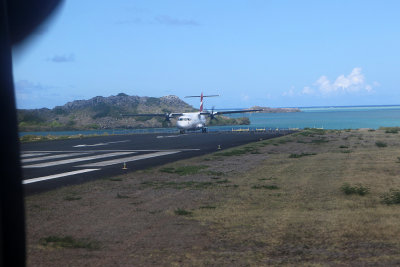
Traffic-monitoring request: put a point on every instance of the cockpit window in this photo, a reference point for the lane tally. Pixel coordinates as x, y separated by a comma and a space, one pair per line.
184, 119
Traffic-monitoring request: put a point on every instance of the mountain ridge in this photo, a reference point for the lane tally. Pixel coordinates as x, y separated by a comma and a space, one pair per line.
101, 113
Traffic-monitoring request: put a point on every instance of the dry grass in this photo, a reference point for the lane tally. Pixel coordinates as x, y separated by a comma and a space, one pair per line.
305, 220
311, 221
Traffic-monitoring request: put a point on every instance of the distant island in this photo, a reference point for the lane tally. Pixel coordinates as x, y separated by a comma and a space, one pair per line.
275, 110
105, 113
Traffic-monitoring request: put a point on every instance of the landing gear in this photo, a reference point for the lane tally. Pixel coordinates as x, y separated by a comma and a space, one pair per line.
181, 131
204, 130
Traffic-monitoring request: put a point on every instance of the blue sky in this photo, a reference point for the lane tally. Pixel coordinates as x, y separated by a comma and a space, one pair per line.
270, 53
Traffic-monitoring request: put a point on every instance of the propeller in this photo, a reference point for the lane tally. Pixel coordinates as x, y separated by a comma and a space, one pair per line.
212, 116
167, 117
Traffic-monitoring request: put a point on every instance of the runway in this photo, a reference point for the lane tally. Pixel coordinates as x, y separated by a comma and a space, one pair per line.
49, 165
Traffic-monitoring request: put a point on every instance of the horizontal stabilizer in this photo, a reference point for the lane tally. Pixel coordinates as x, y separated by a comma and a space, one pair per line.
200, 96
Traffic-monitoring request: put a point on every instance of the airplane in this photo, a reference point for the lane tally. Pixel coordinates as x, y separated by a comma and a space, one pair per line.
192, 121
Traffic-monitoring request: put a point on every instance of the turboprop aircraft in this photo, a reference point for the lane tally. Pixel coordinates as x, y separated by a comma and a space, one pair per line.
191, 121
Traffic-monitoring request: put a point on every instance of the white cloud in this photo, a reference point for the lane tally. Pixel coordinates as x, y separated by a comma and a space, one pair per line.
289, 93
307, 91
324, 85
354, 82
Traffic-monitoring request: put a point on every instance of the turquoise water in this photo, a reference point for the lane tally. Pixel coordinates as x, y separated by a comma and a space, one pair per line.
329, 118
312, 117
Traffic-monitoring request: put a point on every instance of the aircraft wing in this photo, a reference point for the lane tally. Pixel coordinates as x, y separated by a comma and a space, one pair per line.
144, 114
236, 111
175, 115
167, 115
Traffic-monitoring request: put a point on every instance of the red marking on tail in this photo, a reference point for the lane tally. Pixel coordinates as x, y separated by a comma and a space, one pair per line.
201, 102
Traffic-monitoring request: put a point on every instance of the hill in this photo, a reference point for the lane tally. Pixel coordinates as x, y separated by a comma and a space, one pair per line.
105, 113
101, 113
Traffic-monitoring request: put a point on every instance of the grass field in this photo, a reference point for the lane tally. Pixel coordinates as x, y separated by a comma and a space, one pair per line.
337, 202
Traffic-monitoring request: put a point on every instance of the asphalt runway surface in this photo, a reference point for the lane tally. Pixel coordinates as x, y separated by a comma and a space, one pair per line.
52, 164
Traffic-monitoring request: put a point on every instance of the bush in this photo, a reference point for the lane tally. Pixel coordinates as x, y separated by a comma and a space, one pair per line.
270, 187
69, 242
392, 197
358, 189
393, 130
184, 170
183, 212
380, 144
301, 155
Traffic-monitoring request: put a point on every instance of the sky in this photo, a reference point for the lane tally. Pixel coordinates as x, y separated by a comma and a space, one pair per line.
276, 53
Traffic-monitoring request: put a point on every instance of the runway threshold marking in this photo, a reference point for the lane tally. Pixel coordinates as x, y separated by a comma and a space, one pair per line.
168, 136
102, 144
52, 157
26, 155
115, 150
128, 159
54, 176
73, 160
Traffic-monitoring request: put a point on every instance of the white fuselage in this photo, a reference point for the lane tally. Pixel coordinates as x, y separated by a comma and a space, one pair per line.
191, 121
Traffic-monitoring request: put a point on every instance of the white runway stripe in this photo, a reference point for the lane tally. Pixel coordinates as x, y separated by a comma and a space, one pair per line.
115, 150
102, 144
34, 180
52, 157
66, 161
127, 159
25, 155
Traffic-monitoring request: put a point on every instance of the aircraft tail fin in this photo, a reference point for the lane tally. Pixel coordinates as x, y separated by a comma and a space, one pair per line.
201, 99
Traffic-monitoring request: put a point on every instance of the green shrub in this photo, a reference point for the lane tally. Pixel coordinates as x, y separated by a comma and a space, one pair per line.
380, 144
358, 189
183, 212
392, 197
178, 185
393, 130
270, 187
319, 141
184, 170
68, 242
239, 151
121, 196
208, 207
71, 198
301, 155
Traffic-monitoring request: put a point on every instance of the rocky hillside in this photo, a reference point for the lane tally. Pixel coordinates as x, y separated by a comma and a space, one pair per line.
101, 113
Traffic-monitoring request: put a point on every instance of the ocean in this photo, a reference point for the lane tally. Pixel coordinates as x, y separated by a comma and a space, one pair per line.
329, 118
354, 117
